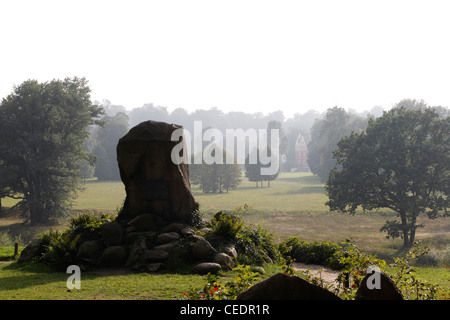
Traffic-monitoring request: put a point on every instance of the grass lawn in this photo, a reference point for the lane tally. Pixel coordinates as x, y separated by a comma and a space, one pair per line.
41, 283
294, 205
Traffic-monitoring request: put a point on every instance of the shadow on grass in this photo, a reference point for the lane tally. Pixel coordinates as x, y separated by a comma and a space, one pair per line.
33, 273
28, 275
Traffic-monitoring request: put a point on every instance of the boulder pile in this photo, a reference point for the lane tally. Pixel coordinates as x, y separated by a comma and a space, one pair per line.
143, 246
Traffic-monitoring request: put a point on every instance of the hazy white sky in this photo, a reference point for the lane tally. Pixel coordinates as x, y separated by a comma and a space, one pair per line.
253, 56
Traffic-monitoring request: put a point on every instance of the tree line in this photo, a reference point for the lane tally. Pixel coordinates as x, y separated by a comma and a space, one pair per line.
118, 120
53, 136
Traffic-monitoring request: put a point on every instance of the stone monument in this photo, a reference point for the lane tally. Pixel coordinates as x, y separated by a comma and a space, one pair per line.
153, 182
155, 228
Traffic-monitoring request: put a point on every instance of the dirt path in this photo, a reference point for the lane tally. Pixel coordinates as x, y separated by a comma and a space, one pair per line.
328, 275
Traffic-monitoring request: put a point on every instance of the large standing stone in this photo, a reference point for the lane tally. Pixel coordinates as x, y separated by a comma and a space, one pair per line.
153, 182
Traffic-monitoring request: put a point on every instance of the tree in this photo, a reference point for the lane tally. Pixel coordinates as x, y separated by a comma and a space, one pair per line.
215, 177
401, 162
6, 179
253, 169
107, 136
325, 134
284, 142
43, 128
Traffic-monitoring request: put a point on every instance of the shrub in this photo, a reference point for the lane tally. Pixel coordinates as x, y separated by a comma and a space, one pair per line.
88, 220
226, 225
5, 239
61, 248
431, 259
215, 290
254, 244
309, 253
406, 279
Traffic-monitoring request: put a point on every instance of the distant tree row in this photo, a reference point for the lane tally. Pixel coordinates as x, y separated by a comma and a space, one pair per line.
102, 142
52, 135
101, 139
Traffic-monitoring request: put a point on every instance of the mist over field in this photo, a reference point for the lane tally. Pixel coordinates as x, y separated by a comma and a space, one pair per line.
277, 135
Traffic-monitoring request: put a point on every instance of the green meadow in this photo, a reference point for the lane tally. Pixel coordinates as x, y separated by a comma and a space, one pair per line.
293, 205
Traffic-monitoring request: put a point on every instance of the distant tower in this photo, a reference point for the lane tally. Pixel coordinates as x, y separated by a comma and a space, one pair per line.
301, 154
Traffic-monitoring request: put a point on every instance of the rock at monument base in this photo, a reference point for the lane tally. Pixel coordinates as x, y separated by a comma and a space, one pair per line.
225, 261
173, 227
207, 267
146, 222
187, 231
387, 289
112, 233
155, 255
113, 256
148, 236
201, 248
33, 250
284, 287
167, 237
168, 247
231, 251
90, 251
153, 267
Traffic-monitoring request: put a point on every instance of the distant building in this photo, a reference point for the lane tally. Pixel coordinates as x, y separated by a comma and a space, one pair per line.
301, 154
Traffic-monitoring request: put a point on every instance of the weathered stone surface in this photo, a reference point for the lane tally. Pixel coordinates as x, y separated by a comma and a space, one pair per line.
155, 255
168, 247
207, 267
225, 261
283, 287
113, 256
187, 231
33, 250
201, 248
174, 227
153, 182
167, 237
205, 230
146, 222
387, 289
112, 233
90, 251
153, 267
136, 253
149, 236
231, 251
